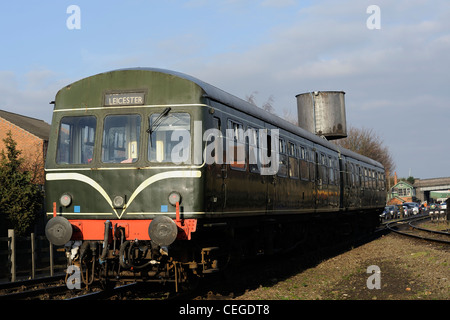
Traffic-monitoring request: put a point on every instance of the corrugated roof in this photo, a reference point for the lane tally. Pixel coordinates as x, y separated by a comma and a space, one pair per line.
37, 127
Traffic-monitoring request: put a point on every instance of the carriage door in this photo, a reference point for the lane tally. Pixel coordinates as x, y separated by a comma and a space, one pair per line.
217, 169
345, 183
221, 167
317, 180
269, 149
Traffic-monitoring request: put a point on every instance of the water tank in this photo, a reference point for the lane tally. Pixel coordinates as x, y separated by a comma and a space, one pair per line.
323, 113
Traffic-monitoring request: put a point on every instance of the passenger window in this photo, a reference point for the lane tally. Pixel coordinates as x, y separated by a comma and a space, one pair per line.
331, 170
216, 123
170, 138
282, 169
236, 145
324, 169
121, 136
337, 175
293, 161
76, 140
312, 165
366, 179
304, 171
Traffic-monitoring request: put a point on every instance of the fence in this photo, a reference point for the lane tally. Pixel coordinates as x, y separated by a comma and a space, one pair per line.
28, 257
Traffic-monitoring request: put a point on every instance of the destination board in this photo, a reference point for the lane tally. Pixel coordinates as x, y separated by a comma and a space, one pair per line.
124, 99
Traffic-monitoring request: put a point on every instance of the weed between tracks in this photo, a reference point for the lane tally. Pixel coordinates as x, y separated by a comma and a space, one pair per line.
436, 226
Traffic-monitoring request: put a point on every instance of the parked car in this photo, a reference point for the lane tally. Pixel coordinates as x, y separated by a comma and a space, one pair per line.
413, 206
390, 212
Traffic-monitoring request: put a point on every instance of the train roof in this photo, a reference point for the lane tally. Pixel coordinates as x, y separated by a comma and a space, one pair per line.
219, 95
216, 94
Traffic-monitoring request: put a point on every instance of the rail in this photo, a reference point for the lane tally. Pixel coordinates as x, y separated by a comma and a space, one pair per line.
394, 227
32, 288
105, 294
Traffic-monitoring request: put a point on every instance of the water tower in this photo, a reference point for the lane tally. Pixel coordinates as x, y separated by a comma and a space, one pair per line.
323, 113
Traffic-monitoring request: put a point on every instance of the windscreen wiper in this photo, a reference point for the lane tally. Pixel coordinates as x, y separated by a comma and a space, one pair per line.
157, 122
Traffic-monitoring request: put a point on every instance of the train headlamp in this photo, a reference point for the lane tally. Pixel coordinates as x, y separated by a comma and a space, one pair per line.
118, 202
174, 197
163, 231
65, 200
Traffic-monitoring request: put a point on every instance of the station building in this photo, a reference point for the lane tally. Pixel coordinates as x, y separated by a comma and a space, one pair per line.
401, 192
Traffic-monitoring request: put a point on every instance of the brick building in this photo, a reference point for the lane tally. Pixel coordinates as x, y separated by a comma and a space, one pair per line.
31, 136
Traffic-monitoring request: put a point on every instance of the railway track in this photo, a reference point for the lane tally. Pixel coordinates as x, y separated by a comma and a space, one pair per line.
33, 289
55, 288
106, 294
49, 288
408, 227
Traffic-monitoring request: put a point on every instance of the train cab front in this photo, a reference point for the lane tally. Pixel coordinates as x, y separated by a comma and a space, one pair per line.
124, 176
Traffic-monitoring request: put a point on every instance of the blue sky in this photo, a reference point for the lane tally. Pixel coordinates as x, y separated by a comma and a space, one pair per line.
396, 78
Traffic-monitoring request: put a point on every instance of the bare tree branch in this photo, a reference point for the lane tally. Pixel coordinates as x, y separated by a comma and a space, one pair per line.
368, 143
268, 105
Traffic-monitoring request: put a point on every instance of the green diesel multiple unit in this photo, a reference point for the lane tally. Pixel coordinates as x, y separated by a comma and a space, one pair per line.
153, 174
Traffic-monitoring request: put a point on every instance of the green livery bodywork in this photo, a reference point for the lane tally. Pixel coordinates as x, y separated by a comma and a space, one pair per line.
323, 184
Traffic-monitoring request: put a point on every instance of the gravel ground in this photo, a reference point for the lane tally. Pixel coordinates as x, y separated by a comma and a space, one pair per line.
410, 270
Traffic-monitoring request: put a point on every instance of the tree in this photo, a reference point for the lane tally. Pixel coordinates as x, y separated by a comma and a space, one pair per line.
20, 199
267, 106
289, 117
367, 143
411, 180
